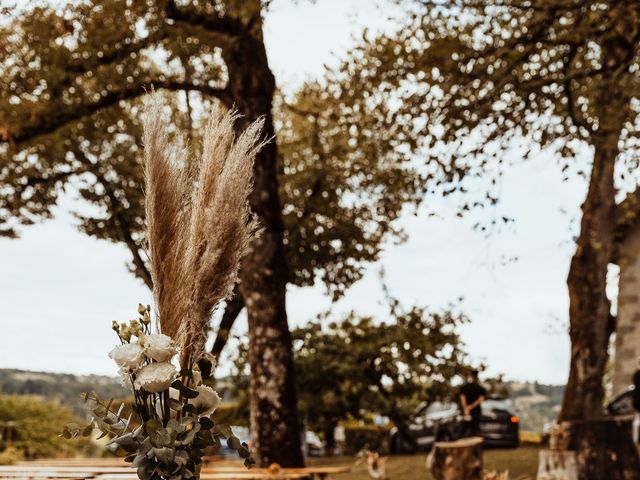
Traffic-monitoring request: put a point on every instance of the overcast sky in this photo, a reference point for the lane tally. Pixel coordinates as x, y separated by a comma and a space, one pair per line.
59, 290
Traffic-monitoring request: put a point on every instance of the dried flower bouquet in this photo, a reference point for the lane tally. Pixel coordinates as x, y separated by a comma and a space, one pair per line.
199, 226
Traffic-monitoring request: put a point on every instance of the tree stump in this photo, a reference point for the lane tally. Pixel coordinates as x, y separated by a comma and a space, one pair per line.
459, 460
573, 457
557, 465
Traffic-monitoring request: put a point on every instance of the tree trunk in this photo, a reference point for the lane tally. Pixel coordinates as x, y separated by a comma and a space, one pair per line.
263, 278
459, 460
589, 311
576, 459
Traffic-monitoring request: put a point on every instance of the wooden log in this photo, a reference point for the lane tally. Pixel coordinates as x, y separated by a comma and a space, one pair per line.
459, 460
572, 455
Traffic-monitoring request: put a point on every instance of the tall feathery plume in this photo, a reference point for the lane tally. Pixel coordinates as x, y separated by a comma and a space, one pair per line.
167, 217
198, 232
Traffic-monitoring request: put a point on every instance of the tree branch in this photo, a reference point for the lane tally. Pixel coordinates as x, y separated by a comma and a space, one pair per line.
210, 21
141, 269
56, 119
231, 311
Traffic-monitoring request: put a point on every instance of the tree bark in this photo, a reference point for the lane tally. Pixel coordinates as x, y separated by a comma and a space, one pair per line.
589, 310
263, 278
459, 460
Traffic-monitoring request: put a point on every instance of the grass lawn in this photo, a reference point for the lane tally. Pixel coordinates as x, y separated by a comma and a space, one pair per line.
520, 462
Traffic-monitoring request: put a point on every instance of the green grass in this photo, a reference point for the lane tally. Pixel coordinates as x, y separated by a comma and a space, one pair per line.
520, 462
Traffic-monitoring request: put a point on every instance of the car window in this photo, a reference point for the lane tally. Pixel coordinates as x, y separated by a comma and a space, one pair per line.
437, 407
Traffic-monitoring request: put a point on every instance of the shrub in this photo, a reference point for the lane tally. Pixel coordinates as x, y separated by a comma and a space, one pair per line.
34, 426
11, 455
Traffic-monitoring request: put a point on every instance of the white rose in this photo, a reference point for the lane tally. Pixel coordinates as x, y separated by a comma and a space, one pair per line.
206, 401
159, 347
128, 356
156, 377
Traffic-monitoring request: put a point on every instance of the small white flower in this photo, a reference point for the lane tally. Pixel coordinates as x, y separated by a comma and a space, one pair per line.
158, 347
128, 356
156, 377
206, 401
125, 378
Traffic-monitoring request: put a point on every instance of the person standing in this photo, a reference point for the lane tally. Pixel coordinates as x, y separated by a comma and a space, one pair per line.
472, 394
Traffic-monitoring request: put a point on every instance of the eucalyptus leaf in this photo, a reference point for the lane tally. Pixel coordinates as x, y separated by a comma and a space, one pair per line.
206, 423
145, 472
189, 393
224, 430
164, 454
160, 438
234, 442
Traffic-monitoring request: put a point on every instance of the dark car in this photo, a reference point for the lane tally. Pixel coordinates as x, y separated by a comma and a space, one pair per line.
439, 422
619, 406
622, 405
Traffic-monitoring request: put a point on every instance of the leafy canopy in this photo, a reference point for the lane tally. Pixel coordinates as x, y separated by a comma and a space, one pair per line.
73, 80
359, 365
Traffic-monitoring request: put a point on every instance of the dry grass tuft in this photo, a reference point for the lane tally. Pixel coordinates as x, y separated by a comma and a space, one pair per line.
199, 226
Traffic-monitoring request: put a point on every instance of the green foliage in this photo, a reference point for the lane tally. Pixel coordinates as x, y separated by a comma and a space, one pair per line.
61, 388
370, 437
234, 413
11, 455
359, 364
33, 427
347, 176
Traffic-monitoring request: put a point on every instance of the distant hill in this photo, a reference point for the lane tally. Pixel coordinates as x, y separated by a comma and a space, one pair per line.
535, 403
60, 387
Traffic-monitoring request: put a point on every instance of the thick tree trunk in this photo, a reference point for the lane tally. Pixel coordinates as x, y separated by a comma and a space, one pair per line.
459, 460
589, 311
572, 456
263, 279
589, 305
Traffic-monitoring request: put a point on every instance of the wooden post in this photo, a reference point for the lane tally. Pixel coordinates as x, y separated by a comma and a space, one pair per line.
459, 460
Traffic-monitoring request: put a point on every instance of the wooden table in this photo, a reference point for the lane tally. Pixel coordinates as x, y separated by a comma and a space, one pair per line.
105, 469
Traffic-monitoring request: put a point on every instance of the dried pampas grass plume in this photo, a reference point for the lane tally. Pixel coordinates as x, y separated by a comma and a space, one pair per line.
199, 226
